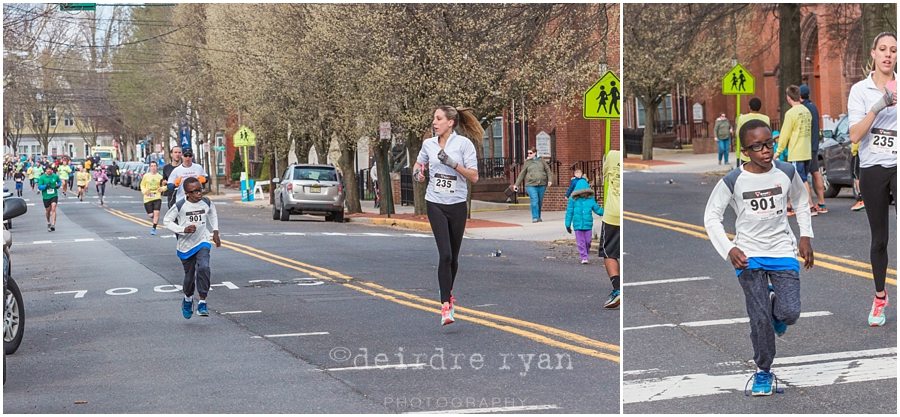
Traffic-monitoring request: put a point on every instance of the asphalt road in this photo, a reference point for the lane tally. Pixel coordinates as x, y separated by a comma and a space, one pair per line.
685, 349
306, 316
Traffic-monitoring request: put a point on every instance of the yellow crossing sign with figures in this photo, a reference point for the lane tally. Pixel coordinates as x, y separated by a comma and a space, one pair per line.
738, 81
602, 100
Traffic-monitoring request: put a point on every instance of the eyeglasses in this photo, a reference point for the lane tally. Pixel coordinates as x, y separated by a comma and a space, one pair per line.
756, 147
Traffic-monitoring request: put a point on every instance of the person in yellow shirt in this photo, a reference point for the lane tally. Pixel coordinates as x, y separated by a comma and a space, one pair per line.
34, 171
152, 189
755, 106
612, 219
64, 171
82, 179
796, 138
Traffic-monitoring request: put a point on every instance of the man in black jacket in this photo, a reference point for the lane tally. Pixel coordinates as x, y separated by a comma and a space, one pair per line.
175, 153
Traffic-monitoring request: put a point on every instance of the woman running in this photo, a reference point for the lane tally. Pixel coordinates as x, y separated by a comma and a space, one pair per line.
873, 124
450, 160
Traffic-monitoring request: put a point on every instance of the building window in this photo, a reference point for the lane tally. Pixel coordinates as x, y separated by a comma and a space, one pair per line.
68, 119
20, 120
494, 133
52, 116
220, 155
663, 114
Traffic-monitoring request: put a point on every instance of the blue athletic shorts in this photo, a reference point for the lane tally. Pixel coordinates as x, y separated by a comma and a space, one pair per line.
802, 169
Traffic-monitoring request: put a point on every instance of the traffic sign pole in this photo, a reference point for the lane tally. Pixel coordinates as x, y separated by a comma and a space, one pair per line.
608, 124
737, 146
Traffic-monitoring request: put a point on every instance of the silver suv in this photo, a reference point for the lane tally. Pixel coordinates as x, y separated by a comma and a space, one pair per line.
309, 189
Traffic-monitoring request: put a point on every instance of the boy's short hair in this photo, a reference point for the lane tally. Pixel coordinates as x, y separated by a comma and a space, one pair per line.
755, 104
189, 180
793, 92
750, 125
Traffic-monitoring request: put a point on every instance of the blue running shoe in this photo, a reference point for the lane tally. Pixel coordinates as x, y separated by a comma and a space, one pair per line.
614, 298
152, 232
762, 383
202, 310
779, 326
187, 308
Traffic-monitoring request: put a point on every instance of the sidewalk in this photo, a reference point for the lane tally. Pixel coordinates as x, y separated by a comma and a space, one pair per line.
489, 220
679, 161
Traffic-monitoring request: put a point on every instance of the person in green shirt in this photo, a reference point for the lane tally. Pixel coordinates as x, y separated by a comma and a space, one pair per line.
48, 184
64, 171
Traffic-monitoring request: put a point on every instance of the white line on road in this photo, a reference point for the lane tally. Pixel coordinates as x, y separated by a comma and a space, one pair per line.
333, 234
293, 234
491, 410
417, 235
242, 312
367, 368
664, 281
127, 237
809, 375
376, 234
721, 322
90, 239
41, 242
270, 336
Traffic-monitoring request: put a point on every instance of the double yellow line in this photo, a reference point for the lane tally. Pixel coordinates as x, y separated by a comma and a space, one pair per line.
831, 262
547, 335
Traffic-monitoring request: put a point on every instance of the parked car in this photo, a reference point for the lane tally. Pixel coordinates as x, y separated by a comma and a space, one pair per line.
126, 171
309, 189
138, 175
13, 307
834, 158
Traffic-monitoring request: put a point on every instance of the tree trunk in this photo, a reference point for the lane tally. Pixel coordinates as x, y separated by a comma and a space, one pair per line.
789, 51
301, 150
649, 123
414, 143
351, 190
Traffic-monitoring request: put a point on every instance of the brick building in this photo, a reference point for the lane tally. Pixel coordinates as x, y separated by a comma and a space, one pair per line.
830, 66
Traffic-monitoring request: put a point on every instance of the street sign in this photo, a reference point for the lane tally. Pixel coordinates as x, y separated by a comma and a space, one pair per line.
738, 81
601, 101
542, 144
77, 7
184, 137
244, 137
384, 130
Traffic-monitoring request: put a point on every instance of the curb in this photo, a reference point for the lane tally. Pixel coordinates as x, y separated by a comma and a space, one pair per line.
635, 166
400, 223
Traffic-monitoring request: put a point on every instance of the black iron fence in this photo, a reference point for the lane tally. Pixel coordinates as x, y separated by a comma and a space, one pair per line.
407, 194
365, 185
593, 172
494, 167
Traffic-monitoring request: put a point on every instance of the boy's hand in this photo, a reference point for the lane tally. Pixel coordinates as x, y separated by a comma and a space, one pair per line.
806, 252
190, 229
216, 239
737, 257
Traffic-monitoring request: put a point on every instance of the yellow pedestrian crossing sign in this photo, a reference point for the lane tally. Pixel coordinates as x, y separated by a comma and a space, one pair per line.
738, 81
601, 101
244, 137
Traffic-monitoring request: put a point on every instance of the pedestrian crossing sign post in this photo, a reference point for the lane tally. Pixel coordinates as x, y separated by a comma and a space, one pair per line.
738, 81
602, 101
244, 137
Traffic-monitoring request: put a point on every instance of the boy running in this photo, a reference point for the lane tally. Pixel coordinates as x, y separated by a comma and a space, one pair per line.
764, 249
192, 220
48, 184
150, 187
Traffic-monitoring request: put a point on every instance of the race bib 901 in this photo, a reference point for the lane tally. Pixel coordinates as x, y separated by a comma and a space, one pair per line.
884, 141
444, 184
764, 204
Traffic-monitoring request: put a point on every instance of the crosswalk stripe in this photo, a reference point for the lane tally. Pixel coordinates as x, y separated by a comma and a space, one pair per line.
720, 322
664, 281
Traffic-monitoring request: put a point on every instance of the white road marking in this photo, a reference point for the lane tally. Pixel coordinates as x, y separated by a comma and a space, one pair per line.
857, 369
333, 234
491, 409
243, 312
376, 234
90, 239
127, 237
366, 368
486, 305
664, 281
78, 294
41, 242
720, 322
417, 235
270, 336
293, 234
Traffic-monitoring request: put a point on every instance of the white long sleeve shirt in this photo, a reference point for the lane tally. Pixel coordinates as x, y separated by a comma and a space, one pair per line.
761, 228
447, 185
201, 214
879, 145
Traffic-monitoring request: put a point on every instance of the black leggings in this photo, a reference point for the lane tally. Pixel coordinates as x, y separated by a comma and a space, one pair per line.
878, 186
448, 223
